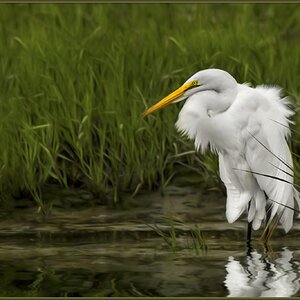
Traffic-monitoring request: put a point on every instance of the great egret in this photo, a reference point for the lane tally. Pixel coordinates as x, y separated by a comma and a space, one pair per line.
248, 128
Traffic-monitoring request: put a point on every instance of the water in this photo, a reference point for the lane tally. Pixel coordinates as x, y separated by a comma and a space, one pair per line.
105, 251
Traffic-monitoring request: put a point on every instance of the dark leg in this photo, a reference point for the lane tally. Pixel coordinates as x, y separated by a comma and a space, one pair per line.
269, 227
249, 227
249, 231
268, 216
249, 247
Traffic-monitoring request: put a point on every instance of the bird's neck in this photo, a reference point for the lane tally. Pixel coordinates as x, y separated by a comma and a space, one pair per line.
213, 103
197, 117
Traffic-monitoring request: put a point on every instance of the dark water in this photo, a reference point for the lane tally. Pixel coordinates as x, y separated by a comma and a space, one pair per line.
105, 251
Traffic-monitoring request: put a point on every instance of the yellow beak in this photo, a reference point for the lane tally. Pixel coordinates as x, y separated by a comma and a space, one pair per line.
169, 99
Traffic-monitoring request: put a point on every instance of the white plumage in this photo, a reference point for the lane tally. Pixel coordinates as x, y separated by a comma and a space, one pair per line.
248, 128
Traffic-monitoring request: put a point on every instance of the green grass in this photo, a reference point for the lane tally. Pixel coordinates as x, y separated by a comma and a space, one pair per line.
75, 79
177, 238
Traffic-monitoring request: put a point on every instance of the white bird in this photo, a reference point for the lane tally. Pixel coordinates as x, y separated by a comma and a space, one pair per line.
248, 128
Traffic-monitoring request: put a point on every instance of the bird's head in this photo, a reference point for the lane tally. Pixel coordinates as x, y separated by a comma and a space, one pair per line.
205, 80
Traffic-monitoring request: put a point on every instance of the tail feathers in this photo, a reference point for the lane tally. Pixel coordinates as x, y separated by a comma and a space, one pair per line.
283, 206
235, 206
257, 210
283, 211
297, 198
260, 210
286, 219
282, 203
288, 212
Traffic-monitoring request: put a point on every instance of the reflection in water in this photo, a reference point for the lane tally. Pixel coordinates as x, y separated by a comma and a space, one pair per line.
261, 277
102, 251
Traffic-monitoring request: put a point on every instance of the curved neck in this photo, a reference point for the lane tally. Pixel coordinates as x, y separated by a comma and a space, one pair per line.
196, 119
214, 103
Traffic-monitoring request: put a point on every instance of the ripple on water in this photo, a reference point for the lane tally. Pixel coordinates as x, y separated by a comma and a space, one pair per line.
103, 251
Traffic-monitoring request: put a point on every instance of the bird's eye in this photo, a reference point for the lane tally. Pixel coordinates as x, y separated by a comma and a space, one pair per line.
194, 82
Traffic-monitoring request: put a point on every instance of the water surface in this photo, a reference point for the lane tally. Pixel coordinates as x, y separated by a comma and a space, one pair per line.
113, 251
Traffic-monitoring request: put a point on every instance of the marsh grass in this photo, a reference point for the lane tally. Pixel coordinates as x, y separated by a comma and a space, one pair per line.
197, 240
169, 236
76, 78
178, 236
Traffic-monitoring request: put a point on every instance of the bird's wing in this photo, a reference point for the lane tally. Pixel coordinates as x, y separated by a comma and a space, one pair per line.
266, 149
237, 197
233, 193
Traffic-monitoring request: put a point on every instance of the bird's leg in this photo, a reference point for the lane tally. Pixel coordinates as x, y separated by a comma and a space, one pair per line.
268, 216
249, 230
270, 226
249, 246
